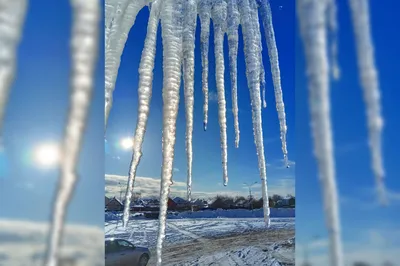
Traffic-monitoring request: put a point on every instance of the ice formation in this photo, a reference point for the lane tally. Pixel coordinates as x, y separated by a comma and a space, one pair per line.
233, 21
84, 44
189, 31
266, 15
144, 94
315, 18
178, 24
12, 14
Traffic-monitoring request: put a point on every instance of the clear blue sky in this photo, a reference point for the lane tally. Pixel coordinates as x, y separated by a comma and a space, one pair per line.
36, 114
359, 211
207, 171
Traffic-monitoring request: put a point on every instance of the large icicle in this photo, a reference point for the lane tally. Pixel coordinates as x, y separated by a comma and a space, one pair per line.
204, 10
12, 17
233, 21
314, 34
332, 12
121, 25
189, 32
110, 8
144, 94
253, 81
266, 16
84, 44
370, 84
256, 21
171, 21
219, 14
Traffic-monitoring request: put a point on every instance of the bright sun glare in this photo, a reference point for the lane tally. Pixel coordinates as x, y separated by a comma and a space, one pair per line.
47, 155
127, 143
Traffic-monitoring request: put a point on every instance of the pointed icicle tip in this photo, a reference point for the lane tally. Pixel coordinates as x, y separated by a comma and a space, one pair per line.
225, 184
264, 104
205, 126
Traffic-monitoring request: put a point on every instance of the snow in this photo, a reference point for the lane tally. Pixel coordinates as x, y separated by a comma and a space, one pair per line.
212, 214
185, 231
24, 243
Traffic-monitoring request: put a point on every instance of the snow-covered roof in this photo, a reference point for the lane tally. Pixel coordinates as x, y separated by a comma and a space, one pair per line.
179, 200
116, 200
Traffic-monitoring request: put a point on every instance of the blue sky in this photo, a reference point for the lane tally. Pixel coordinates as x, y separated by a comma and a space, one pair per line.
363, 220
36, 114
207, 171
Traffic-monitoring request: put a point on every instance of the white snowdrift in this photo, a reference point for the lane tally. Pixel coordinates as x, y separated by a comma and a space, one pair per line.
239, 213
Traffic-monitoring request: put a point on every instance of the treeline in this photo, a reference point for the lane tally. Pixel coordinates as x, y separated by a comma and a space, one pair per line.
229, 202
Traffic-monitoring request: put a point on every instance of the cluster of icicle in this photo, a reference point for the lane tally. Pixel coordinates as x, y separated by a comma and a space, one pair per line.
84, 44
178, 20
316, 17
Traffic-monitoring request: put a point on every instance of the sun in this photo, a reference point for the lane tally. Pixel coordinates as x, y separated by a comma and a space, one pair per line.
127, 143
47, 155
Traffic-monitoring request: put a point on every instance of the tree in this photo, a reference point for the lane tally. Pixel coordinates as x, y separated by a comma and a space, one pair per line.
292, 201
276, 197
239, 199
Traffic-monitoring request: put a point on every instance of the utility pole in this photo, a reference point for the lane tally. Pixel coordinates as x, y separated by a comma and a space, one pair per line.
250, 197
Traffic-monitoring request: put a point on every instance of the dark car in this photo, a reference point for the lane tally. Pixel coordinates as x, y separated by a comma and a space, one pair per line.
120, 252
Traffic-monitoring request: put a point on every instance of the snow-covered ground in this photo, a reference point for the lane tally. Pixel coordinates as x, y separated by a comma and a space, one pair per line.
23, 243
203, 241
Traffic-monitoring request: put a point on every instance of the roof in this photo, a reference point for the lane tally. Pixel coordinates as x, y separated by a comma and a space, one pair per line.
179, 200
115, 199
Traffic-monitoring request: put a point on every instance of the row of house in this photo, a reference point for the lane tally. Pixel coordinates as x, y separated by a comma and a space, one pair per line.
177, 203
180, 204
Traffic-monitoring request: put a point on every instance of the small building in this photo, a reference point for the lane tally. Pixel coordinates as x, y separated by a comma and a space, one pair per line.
107, 200
171, 204
199, 204
114, 205
181, 203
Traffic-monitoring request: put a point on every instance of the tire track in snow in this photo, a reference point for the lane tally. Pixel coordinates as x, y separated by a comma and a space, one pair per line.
186, 233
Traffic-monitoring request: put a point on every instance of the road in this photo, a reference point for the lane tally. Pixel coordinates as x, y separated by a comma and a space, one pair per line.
249, 248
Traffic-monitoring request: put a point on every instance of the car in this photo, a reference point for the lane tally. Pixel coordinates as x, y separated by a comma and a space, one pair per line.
120, 252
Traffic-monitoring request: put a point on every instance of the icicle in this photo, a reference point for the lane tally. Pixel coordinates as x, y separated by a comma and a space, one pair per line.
219, 13
110, 8
266, 16
144, 94
12, 15
84, 43
204, 9
332, 10
253, 81
172, 22
370, 84
256, 21
189, 32
122, 23
313, 30
233, 21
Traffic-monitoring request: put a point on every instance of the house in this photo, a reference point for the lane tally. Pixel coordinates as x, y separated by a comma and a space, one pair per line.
171, 204
200, 204
107, 200
181, 203
114, 205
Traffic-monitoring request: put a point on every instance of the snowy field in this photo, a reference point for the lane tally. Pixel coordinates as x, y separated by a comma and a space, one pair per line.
23, 243
207, 241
